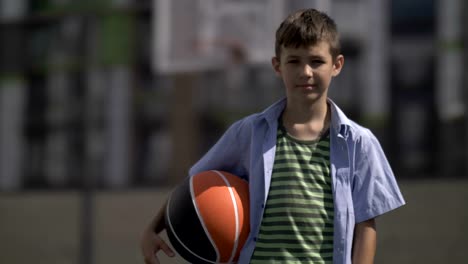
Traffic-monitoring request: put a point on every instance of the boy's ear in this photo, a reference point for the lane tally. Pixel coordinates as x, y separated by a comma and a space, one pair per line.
275, 62
338, 65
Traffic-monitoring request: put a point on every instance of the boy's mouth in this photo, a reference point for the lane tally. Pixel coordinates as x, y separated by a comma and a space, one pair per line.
306, 86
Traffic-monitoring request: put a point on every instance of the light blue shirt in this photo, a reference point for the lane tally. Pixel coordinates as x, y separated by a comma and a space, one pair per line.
363, 183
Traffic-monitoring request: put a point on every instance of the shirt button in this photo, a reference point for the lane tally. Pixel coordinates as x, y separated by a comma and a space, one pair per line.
263, 205
255, 239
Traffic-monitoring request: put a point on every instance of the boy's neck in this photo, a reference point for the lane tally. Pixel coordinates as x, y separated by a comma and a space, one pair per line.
307, 121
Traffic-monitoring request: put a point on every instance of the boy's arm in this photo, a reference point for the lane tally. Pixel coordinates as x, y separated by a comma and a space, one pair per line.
158, 224
151, 242
364, 242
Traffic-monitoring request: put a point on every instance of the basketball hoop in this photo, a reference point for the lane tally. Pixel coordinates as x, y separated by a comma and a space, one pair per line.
197, 35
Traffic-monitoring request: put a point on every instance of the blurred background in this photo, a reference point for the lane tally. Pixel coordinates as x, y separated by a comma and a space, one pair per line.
105, 104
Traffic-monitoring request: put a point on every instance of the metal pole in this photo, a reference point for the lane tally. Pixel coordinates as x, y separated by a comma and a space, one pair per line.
12, 93
183, 125
375, 89
464, 21
86, 255
87, 215
449, 86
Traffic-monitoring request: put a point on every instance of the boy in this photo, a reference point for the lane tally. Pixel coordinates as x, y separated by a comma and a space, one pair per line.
316, 179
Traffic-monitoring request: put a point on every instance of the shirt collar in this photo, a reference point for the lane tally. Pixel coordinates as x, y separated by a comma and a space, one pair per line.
340, 124
272, 113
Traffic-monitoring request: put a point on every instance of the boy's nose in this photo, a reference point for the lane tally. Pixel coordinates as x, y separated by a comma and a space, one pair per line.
307, 70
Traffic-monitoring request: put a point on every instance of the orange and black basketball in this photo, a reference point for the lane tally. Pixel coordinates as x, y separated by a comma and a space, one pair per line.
207, 217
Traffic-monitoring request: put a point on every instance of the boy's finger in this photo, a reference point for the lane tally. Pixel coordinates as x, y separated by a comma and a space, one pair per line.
151, 260
164, 247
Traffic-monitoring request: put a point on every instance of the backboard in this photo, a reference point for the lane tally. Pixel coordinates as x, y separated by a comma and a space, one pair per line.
197, 35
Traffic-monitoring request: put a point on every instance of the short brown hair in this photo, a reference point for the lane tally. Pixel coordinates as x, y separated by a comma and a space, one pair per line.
307, 27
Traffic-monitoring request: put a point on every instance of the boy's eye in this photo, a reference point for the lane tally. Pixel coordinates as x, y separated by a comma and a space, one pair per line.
293, 61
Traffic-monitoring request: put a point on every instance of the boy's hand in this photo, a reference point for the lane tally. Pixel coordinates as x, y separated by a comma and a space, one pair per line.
151, 243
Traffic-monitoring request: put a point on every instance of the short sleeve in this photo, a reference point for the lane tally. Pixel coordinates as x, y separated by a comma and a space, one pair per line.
374, 188
227, 154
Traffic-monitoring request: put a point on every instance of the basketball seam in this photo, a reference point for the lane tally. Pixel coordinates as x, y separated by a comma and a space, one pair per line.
192, 194
236, 214
177, 237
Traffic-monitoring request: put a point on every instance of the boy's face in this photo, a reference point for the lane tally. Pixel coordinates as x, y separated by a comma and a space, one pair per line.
307, 71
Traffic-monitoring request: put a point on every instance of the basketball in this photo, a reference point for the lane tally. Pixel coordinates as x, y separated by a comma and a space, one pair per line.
207, 217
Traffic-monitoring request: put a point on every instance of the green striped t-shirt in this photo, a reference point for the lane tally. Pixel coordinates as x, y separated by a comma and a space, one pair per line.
297, 225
